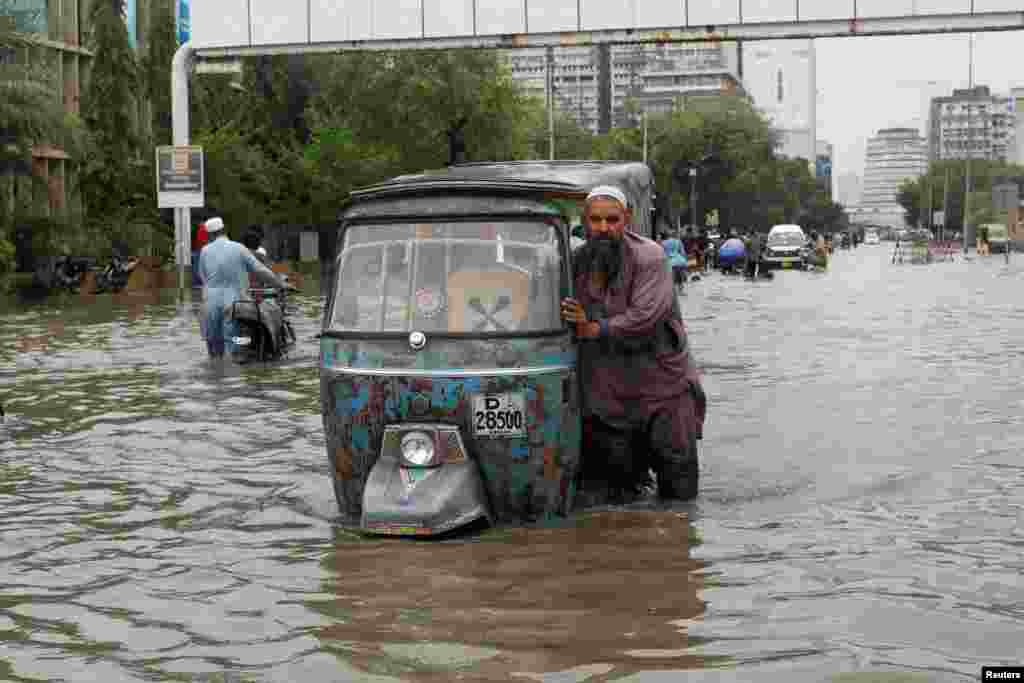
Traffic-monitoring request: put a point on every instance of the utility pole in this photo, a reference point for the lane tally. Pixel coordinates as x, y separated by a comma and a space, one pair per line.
693, 197
967, 173
928, 223
644, 114
945, 204
551, 103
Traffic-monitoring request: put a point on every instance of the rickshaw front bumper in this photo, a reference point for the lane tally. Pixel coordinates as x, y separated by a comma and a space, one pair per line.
405, 499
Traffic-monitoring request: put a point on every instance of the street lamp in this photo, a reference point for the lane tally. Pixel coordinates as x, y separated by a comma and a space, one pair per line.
692, 168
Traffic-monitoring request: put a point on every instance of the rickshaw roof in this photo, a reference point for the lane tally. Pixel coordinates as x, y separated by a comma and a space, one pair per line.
516, 177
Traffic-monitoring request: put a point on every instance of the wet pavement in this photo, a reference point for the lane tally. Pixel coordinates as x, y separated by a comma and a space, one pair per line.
162, 519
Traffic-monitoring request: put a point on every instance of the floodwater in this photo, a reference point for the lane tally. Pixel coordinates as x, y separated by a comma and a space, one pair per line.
162, 519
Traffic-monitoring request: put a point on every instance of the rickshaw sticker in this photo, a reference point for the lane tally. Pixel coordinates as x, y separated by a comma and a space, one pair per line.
429, 301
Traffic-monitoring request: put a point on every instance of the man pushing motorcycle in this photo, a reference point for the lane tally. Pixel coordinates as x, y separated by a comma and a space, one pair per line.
223, 264
643, 404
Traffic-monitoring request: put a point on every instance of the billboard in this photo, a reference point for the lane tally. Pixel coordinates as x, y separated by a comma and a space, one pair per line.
131, 19
261, 26
183, 20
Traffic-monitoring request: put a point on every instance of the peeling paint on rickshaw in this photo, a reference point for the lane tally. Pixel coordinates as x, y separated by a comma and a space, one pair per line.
526, 478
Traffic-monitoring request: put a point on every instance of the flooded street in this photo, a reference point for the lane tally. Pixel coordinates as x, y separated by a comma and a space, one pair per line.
862, 506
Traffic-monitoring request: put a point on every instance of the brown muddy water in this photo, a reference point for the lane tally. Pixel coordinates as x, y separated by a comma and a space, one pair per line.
162, 519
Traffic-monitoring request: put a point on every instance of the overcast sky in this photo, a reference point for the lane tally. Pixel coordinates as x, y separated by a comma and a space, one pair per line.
865, 84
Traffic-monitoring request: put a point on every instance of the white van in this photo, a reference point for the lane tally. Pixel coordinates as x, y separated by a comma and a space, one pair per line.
785, 247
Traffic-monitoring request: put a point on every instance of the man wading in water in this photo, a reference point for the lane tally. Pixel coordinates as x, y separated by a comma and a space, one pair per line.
643, 405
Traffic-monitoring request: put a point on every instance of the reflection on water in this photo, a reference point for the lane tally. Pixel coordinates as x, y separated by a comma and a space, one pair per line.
521, 602
167, 518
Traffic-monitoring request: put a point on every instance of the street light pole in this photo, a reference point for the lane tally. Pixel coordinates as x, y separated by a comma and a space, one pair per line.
693, 197
645, 135
967, 171
551, 103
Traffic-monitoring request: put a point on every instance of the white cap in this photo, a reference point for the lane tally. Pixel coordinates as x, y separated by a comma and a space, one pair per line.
261, 251
609, 192
214, 225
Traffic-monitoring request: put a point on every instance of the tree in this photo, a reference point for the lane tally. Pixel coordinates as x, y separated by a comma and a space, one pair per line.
909, 197
914, 193
107, 170
156, 69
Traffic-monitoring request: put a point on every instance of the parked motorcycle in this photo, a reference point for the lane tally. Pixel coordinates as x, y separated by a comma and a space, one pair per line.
265, 333
69, 273
115, 276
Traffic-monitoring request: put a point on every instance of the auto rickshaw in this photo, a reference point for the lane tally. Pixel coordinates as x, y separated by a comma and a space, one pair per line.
449, 386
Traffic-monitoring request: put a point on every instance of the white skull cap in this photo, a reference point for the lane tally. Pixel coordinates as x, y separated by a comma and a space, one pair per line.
214, 225
609, 192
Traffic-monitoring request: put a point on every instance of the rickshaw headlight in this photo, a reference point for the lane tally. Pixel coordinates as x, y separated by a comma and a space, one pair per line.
418, 449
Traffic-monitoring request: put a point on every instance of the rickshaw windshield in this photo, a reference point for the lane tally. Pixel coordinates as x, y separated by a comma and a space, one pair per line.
458, 277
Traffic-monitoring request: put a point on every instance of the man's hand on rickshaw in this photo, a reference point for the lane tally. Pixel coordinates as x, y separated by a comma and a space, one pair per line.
572, 312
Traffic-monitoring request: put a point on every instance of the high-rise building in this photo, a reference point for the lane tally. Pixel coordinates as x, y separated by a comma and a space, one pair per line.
893, 155
663, 78
781, 76
574, 74
848, 189
972, 123
604, 86
1017, 100
62, 31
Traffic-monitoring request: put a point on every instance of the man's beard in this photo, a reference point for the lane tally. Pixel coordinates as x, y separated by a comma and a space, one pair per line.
601, 255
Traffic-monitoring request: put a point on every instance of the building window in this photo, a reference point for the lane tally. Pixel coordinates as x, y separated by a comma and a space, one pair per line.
30, 16
780, 93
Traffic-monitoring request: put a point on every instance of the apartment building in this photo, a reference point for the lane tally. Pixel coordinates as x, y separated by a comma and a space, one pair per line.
973, 123
893, 155
605, 86
781, 76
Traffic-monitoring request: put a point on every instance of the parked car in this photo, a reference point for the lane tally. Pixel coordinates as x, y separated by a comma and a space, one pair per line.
785, 247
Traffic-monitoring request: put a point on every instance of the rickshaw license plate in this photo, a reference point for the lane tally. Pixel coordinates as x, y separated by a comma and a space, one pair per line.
499, 415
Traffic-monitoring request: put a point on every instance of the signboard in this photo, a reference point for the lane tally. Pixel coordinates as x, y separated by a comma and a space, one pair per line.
180, 177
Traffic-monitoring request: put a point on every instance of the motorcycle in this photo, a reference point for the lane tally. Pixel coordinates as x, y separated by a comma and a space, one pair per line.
115, 276
265, 333
69, 273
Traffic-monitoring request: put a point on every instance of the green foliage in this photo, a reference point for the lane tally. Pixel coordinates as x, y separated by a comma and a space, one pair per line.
909, 197
106, 171
31, 114
6, 257
289, 141
948, 196
162, 39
